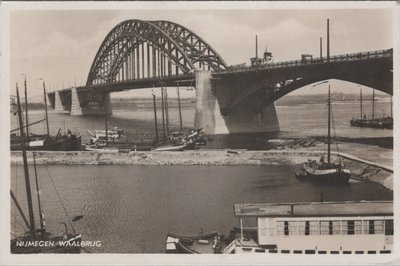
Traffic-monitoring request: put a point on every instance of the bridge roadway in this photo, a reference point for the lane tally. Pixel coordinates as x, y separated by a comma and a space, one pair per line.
189, 79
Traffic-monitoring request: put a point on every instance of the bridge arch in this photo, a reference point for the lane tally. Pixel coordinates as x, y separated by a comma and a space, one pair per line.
137, 49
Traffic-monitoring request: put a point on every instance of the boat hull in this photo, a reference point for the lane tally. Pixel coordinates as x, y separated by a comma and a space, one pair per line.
381, 123
195, 244
338, 175
64, 143
171, 148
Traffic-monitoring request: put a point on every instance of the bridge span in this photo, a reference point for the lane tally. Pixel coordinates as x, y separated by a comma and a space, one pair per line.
150, 54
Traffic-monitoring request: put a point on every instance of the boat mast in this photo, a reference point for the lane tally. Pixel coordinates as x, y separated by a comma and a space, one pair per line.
45, 108
166, 110
361, 106
155, 116
329, 124
27, 181
106, 122
163, 111
256, 61
373, 103
38, 195
180, 109
26, 108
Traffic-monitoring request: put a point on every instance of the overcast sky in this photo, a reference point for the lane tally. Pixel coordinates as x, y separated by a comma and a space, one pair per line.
61, 45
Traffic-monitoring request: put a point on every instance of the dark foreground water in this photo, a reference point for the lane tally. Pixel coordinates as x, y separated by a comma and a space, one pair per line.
130, 209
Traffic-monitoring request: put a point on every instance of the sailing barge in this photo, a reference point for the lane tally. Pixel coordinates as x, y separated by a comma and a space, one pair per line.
325, 171
44, 142
363, 121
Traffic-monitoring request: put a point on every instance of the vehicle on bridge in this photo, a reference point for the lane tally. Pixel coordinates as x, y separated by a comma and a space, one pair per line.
306, 59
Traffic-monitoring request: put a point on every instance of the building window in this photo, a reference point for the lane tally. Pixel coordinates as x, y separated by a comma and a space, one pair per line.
330, 227
379, 227
301, 225
350, 227
314, 228
286, 228
357, 227
336, 227
325, 227
307, 229
389, 227
371, 227
374, 227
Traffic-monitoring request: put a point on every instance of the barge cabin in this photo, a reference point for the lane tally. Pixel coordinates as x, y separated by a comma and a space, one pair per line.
362, 227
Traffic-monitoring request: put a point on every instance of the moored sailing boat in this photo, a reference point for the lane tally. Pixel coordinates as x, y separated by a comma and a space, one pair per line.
38, 240
327, 172
60, 142
363, 121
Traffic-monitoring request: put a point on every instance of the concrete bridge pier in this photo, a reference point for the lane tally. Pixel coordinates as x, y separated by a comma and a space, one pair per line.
207, 112
59, 103
242, 119
75, 103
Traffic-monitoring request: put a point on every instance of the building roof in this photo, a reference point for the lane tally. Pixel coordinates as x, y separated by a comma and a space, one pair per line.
315, 209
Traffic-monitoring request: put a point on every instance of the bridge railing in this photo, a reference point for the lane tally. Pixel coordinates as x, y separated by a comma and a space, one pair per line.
315, 61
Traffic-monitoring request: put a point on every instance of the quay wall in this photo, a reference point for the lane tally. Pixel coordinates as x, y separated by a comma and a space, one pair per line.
362, 170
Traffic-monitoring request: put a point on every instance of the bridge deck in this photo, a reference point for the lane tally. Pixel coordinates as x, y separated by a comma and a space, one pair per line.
317, 61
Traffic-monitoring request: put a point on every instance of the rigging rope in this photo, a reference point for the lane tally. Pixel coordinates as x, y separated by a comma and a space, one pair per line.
16, 192
59, 197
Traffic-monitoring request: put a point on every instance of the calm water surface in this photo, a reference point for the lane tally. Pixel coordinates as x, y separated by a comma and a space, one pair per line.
295, 121
130, 209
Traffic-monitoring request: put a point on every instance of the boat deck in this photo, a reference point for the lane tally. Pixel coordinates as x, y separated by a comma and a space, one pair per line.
315, 209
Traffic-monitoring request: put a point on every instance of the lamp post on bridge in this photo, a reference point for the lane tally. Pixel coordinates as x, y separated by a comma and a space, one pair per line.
327, 41
320, 48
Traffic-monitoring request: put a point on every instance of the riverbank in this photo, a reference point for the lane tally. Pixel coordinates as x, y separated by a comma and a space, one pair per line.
363, 168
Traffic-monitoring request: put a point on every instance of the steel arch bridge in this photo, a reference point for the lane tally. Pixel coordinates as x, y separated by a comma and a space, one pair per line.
137, 49
139, 54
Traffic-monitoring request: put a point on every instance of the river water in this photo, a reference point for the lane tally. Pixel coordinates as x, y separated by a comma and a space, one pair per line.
130, 209
295, 121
